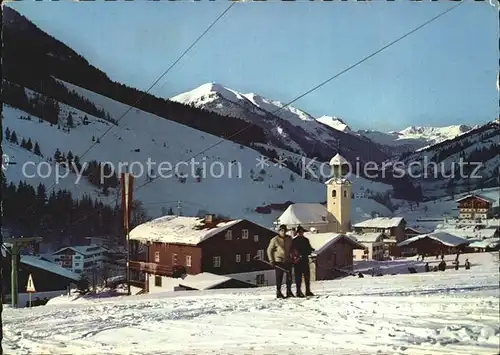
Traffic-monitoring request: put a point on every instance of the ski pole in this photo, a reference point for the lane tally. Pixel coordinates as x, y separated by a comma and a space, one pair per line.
268, 263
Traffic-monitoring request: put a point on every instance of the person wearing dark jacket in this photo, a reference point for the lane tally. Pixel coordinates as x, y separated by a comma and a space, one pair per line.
279, 255
302, 249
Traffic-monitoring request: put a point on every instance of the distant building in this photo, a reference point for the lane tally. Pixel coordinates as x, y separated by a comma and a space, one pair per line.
374, 246
475, 207
50, 279
392, 228
204, 245
80, 259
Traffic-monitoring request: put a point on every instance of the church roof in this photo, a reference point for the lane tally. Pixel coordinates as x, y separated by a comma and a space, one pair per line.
304, 213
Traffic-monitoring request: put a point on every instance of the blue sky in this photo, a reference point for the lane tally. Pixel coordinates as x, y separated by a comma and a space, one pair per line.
443, 74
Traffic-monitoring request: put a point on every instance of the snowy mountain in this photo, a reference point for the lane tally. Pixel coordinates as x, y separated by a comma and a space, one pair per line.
437, 168
288, 127
335, 123
414, 137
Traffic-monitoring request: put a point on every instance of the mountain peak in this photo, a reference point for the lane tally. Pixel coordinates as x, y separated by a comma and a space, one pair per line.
335, 123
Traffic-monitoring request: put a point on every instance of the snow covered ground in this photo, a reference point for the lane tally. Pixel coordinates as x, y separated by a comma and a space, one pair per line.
451, 312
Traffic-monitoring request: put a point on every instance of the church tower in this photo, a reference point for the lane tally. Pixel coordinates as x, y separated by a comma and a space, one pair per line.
339, 198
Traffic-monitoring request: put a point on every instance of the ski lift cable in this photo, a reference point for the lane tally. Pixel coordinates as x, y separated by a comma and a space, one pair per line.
308, 91
149, 89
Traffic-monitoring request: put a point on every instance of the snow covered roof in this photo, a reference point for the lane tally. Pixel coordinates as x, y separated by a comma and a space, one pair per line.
368, 237
380, 222
321, 241
178, 229
48, 266
484, 198
470, 232
304, 214
203, 281
442, 237
84, 249
338, 160
487, 243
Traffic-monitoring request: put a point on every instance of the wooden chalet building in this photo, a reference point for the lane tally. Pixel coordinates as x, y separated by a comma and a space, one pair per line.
333, 255
202, 245
393, 229
475, 207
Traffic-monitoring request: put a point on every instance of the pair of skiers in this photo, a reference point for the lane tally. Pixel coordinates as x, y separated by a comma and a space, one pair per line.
285, 253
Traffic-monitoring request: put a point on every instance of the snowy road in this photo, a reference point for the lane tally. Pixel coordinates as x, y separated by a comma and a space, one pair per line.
452, 312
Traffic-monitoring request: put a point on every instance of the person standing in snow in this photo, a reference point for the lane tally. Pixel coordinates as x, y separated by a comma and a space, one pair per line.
467, 264
279, 254
302, 249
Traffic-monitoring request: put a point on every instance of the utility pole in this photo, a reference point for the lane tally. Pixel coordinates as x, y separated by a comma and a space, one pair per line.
179, 208
127, 182
17, 244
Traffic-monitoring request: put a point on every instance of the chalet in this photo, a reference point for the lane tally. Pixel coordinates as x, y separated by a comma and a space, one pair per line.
436, 243
203, 245
80, 259
374, 246
492, 244
475, 207
50, 279
392, 228
333, 255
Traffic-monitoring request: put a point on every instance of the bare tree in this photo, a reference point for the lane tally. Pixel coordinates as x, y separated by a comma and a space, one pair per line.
139, 214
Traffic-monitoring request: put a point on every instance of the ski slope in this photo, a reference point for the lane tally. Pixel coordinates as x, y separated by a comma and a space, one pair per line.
141, 136
451, 312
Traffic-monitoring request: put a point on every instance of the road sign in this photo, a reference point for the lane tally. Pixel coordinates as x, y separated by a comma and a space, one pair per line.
30, 287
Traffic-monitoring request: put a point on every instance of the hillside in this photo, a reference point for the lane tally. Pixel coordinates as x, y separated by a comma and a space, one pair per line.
437, 168
141, 136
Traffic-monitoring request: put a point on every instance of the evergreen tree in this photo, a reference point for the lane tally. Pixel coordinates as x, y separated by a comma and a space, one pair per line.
57, 156
23, 143
70, 120
98, 140
7, 134
36, 150
93, 139
29, 144
70, 157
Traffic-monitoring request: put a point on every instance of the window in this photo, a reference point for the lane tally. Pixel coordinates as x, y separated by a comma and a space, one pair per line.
158, 281
174, 259
244, 233
345, 193
157, 256
216, 261
229, 235
248, 257
238, 258
188, 260
260, 254
259, 280
256, 238
334, 193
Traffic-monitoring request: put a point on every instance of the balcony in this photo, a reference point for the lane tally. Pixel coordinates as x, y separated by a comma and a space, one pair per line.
151, 268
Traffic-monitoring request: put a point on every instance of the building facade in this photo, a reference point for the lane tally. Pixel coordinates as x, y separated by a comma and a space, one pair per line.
81, 259
374, 246
474, 207
204, 246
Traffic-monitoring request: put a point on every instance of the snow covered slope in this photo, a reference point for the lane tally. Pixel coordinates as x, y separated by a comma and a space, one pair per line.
141, 136
437, 168
451, 312
289, 127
